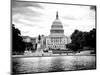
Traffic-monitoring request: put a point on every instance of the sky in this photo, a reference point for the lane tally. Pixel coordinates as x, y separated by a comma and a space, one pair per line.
34, 19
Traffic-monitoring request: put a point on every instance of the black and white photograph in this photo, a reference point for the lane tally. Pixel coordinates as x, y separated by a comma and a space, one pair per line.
52, 37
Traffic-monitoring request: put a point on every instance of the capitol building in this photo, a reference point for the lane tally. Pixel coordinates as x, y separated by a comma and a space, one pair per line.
56, 39
54, 43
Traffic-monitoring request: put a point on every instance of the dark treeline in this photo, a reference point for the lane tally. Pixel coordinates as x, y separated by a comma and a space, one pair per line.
18, 45
83, 40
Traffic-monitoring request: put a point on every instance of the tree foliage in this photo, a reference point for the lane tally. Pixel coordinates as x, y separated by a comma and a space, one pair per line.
17, 41
39, 37
82, 39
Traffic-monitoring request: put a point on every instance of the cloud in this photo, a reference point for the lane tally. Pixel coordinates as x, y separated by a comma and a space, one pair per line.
24, 22
25, 32
69, 17
20, 7
24, 13
19, 3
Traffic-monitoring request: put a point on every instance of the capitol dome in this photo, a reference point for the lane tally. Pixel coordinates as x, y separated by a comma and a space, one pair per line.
57, 26
56, 39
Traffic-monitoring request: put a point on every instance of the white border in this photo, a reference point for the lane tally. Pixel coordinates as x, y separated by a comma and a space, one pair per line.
5, 37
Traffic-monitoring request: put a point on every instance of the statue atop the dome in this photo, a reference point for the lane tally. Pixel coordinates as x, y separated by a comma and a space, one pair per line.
57, 16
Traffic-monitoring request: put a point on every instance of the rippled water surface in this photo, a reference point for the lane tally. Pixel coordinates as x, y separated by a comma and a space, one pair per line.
52, 64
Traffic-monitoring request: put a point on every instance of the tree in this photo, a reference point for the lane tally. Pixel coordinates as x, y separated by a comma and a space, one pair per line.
18, 45
82, 39
39, 37
77, 38
93, 38
28, 45
72, 47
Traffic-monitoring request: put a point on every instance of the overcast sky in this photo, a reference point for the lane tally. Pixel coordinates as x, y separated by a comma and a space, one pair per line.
33, 19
